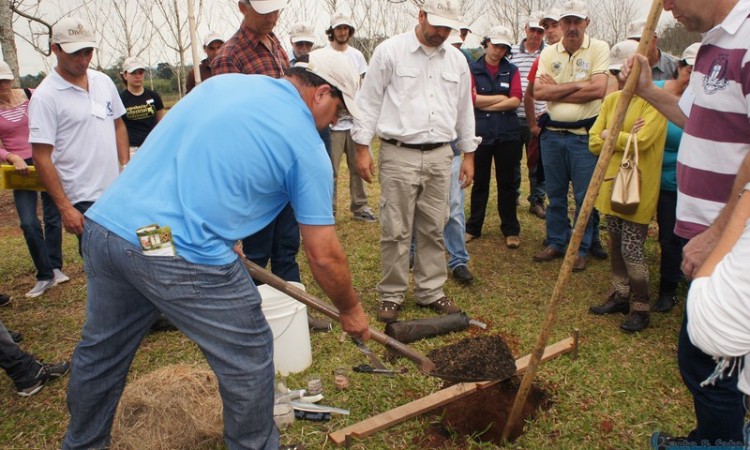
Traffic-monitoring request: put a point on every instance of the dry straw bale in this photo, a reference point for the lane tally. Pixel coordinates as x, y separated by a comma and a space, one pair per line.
173, 408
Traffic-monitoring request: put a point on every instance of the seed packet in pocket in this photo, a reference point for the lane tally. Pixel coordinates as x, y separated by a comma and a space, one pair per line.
156, 240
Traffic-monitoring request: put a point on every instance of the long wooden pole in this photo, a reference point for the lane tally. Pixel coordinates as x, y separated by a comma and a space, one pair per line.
194, 42
583, 218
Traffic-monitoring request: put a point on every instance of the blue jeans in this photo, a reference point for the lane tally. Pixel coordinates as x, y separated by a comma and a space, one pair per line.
278, 242
20, 366
453, 234
567, 159
217, 307
537, 191
45, 245
671, 244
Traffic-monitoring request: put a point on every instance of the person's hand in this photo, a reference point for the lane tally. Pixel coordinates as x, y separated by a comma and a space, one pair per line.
604, 134
19, 165
638, 125
534, 129
72, 220
697, 250
645, 81
545, 78
354, 321
239, 249
365, 164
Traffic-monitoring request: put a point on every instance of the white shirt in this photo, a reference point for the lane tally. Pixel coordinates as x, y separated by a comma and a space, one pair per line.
357, 59
80, 126
416, 95
718, 308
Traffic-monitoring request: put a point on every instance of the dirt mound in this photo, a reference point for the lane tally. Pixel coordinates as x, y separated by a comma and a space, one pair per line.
474, 359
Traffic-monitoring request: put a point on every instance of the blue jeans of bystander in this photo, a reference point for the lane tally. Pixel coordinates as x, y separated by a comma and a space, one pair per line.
44, 244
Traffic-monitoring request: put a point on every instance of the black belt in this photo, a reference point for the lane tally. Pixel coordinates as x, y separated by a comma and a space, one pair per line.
420, 147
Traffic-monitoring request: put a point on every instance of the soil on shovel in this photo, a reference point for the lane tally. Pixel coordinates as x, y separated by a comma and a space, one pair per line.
478, 358
481, 416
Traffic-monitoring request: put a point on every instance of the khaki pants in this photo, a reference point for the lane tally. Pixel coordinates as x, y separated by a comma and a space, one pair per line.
342, 143
414, 188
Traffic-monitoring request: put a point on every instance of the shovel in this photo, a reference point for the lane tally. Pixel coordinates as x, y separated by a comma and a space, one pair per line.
424, 363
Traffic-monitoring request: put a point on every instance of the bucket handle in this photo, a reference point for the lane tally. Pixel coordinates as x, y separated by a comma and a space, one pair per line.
288, 325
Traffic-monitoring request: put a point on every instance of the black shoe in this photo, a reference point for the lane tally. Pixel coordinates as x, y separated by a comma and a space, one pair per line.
16, 336
462, 275
636, 321
47, 373
665, 303
5, 300
597, 251
162, 324
613, 305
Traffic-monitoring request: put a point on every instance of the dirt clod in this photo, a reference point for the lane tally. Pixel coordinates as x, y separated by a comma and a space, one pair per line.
474, 359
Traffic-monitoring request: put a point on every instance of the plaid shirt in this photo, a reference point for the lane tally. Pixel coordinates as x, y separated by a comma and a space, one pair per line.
245, 53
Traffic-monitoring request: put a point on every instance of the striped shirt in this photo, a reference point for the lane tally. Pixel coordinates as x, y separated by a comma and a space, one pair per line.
717, 132
14, 132
246, 53
524, 60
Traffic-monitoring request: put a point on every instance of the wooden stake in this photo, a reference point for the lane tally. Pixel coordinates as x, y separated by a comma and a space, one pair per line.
583, 218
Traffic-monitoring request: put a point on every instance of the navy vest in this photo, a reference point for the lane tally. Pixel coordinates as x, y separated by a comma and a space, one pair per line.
494, 126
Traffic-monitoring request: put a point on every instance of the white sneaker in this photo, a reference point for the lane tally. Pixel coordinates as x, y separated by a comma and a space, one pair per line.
40, 288
60, 277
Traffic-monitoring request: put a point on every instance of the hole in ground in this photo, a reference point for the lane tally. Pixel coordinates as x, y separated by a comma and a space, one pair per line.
481, 416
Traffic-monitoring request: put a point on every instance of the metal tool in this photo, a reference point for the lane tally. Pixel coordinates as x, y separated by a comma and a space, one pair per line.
370, 355
364, 368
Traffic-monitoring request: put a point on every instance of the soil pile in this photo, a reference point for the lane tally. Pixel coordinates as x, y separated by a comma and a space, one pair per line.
478, 358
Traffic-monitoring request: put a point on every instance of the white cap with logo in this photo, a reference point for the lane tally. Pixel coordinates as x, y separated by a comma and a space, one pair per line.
620, 52
73, 34
5, 72
340, 18
575, 8
500, 35
691, 53
336, 69
302, 32
443, 13
267, 6
553, 15
132, 64
635, 29
211, 37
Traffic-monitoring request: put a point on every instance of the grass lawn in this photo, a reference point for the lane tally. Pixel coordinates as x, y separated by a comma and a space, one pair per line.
620, 389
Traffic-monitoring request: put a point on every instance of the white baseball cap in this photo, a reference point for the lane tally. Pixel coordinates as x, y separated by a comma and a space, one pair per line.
575, 8
5, 72
500, 35
336, 69
132, 64
454, 38
302, 32
553, 15
620, 52
211, 37
535, 20
443, 13
691, 53
340, 18
635, 29
267, 6
73, 34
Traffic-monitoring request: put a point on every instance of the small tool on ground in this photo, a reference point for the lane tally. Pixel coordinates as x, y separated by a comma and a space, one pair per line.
364, 368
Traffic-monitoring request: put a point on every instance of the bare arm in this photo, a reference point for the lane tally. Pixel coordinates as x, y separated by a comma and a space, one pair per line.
331, 270
160, 115
505, 104
123, 146
48, 176
365, 164
665, 102
528, 104
483, 101
584, 92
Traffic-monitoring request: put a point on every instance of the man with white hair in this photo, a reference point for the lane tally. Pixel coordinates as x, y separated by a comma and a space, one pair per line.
663, 65
417, 99
211, 45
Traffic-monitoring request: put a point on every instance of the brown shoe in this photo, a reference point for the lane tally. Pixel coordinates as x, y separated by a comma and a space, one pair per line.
470, 237
579, 265
537, 209
388, 311
512, 242
443, 305
548, 254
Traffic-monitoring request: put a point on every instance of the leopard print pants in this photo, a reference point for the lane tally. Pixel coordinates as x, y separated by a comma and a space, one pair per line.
629, 271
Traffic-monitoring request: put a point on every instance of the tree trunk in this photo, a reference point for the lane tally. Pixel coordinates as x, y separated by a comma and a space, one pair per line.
7, 38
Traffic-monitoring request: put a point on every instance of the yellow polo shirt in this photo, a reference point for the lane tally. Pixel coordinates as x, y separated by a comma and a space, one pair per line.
592, 58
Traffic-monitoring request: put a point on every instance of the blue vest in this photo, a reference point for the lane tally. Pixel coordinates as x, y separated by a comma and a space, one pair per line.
494, 126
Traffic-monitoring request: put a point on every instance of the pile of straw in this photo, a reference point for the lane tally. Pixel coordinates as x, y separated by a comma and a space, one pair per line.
173, 408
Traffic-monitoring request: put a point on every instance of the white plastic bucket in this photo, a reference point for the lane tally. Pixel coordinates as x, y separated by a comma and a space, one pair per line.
291, 335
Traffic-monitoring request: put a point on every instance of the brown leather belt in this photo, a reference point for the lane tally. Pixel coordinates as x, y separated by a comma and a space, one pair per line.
420, 147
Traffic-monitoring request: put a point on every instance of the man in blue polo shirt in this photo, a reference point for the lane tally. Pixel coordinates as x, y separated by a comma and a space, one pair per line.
219, 167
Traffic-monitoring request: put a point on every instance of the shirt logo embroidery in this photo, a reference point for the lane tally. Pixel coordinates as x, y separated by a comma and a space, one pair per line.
716, 79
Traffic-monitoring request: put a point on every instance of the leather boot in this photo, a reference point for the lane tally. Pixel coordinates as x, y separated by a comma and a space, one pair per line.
614, 304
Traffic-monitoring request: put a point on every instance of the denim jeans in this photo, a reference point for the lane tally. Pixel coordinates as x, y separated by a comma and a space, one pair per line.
278, 242
45, 245
217, 307
537, 191
567, 159
453, 234
20, 366
82, 207
670, 244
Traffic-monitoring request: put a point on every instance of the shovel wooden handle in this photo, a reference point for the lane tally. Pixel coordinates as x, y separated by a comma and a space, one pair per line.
424, 363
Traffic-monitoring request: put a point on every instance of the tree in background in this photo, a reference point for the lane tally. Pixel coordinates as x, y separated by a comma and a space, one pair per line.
674, 39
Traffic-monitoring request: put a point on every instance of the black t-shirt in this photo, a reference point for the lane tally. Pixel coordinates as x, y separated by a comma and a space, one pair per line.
140, 114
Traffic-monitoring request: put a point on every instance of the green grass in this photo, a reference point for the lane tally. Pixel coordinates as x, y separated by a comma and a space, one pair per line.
628, 381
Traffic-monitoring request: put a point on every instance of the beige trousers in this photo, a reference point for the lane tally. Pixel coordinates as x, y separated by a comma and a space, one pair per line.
342, 143
414, 188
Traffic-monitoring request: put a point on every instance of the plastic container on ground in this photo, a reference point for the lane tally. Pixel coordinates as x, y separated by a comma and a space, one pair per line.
291, 336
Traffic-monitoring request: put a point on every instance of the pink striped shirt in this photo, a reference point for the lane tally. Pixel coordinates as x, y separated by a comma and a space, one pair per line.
717, 132
14, 132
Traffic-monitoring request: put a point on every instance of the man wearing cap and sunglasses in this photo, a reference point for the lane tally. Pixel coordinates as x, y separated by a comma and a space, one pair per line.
211, 45
250, 169
417, 99
79, 141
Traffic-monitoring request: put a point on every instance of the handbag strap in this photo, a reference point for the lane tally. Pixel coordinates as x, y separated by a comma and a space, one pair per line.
632, 141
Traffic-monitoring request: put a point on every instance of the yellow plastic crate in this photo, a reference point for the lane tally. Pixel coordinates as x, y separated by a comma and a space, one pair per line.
12, 180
